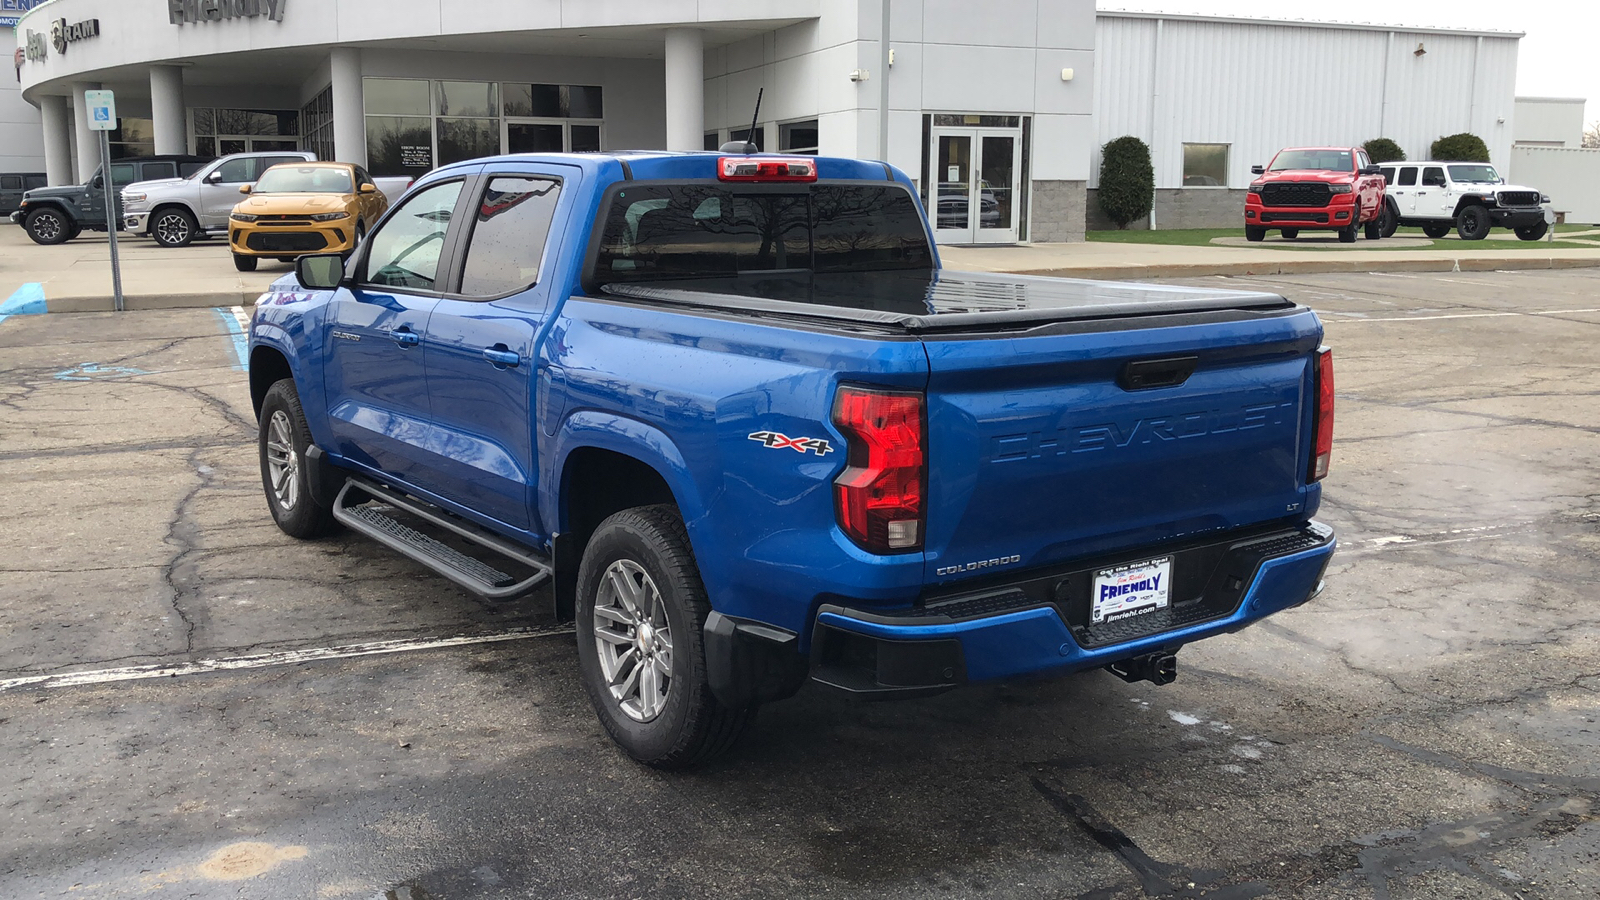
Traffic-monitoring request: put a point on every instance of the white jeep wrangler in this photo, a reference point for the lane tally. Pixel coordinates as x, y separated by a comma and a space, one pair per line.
1469, 197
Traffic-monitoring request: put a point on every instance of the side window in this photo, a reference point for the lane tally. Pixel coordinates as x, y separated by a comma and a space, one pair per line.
157, 170
1388, 174
123, 173
10, 182
1408, 176
238, 171
405, 251
186, 169
363, 177
1362, 160
35, 181
1434, 175
509, 233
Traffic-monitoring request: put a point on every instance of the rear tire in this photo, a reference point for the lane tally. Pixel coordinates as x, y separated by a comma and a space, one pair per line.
1254, 234
1388, 221
1473, 223
641, 615
244, 263
48, 226
1374, 228
173, 226
1436, 230
282, 441
1290, 234
1533, 232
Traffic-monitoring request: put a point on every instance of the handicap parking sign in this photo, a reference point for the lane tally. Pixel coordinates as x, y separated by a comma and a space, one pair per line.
102, 106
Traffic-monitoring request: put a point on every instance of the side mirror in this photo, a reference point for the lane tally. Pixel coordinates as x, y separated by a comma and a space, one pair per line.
369, 188
1372, 170
246, 188
320, 272
1258, 170
215, 177
99, 183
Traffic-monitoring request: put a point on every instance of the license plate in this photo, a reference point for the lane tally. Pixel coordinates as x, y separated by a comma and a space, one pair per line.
1135, 589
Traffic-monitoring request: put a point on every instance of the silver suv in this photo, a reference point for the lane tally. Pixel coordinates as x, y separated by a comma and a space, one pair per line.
1470, 198
178, 210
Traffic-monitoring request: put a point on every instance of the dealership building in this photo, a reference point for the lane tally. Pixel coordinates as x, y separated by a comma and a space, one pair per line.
998, 109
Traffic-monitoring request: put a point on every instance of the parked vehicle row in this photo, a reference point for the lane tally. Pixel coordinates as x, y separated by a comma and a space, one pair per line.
54, 215
1338, 189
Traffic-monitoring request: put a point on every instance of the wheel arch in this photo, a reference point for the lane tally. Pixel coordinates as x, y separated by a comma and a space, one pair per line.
55, 203
268, 366
165, 205
1464, 202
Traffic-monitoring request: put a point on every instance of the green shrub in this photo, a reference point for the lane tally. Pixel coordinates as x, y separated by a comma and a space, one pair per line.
1127, 181
1383, 150
1463, 147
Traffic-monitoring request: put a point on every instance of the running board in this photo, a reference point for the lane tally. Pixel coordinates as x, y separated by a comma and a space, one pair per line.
474, 575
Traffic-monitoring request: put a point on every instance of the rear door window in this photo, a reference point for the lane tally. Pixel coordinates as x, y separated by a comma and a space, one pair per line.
697, 230
154, 171
10, 182
1388, 174
1408, 176
509, 233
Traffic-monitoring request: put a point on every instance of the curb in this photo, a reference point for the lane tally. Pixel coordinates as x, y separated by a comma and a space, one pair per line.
1314, 267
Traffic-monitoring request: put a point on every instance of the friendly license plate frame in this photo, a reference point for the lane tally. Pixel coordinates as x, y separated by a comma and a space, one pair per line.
1151, 583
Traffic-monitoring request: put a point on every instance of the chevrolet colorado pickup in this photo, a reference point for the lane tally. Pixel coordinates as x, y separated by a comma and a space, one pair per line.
1317, 188
732, 412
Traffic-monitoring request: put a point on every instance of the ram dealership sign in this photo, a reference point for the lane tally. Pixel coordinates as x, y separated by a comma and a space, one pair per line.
194, 12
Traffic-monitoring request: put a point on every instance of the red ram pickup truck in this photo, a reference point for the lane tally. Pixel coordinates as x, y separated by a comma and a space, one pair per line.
1322, 188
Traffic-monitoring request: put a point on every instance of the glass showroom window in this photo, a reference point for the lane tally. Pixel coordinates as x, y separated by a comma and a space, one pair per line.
798, 137
399, 126
1205, 165
133, 137
551, 118
316, 124
469, 120
219, 132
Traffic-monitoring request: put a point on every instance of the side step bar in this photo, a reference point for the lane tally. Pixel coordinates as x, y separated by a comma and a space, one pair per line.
474, 575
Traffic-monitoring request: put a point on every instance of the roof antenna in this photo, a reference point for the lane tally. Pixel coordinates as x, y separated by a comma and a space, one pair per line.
748, 145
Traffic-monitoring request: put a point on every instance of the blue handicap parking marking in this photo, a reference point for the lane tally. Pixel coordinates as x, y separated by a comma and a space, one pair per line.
26, 300
97, 372
233, 323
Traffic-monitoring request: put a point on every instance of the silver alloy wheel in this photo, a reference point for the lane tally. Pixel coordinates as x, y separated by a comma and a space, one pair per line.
47, 226
172, 229
283, 463
633, 640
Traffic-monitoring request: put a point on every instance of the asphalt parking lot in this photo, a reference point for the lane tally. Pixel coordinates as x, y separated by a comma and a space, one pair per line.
332, 722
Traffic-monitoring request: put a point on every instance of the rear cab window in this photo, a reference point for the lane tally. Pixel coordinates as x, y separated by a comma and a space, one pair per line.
665, 231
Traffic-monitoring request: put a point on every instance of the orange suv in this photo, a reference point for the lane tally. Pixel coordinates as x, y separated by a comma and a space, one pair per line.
300, 208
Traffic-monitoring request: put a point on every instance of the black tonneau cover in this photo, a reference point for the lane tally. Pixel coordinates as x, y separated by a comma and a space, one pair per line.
923, 302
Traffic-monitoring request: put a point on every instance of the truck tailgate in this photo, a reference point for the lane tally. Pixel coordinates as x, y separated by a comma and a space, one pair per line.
1090, 438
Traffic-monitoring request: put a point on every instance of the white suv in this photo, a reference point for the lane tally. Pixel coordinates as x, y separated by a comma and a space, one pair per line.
178, 210
1469, 197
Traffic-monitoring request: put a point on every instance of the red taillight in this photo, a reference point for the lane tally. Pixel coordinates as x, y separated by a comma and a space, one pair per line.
879, 494
769, 168
1322, 426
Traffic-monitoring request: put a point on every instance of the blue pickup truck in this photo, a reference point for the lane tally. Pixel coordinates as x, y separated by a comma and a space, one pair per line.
732, 415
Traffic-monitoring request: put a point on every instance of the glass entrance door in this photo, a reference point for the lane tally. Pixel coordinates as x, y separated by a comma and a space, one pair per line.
977, 177
551, 136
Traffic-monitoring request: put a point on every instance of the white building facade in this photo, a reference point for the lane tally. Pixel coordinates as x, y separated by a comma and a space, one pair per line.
998, 109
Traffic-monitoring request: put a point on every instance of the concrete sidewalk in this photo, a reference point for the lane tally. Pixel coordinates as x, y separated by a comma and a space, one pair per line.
76, 276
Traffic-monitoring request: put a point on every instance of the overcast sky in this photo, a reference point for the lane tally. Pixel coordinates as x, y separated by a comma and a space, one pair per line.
1557, 58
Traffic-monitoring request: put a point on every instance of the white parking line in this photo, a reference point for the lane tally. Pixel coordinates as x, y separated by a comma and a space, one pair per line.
266, 660
1453, 536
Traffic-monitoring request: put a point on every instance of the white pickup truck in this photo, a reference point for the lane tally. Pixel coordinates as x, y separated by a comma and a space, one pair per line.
176, 211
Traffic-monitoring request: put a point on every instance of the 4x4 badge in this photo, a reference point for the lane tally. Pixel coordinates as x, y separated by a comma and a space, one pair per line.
776, 441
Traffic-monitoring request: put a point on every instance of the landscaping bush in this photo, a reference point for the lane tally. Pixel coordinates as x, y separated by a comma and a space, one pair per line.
1383, 150
1463, 147
1127, 181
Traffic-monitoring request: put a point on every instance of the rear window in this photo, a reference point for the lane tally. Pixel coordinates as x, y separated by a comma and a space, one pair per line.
655, 232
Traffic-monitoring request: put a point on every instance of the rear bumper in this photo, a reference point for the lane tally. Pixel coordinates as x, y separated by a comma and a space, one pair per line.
923, 651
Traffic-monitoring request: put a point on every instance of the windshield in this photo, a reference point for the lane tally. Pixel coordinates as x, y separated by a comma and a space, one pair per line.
304, 180
1479, 174
1330, 160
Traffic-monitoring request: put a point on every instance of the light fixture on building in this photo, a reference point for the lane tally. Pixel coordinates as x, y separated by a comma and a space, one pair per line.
891, 56
1067, 74
860, 75
1420, 51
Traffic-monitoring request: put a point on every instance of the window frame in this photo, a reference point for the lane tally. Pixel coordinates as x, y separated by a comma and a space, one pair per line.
481, 185
1227, 162
448, 273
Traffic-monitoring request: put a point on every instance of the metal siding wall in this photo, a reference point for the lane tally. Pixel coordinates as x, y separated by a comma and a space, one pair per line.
1262, 87
1545, 120
1570, 176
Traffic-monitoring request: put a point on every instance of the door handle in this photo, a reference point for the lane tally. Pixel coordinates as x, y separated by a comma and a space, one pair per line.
405, 337
499, 357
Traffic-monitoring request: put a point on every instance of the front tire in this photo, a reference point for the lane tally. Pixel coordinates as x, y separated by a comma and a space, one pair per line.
244, 263
48, 226
1347, 235
282, 441
1254, 234
1532, 232
173, 227
1374, 228
641, 615
1473, 223
1290, 234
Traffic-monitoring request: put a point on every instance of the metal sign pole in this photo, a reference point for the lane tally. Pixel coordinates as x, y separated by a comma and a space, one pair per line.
111, 217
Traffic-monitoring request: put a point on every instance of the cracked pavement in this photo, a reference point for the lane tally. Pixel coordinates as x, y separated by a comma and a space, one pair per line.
1424, 729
